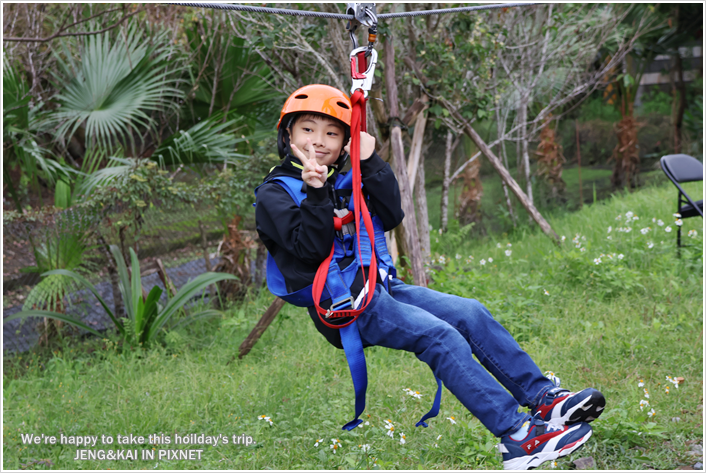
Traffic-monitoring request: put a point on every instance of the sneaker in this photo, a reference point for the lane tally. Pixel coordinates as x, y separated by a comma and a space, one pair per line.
543, 442
561, 407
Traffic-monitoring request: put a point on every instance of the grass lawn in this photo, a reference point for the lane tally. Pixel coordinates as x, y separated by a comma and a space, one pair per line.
608, 314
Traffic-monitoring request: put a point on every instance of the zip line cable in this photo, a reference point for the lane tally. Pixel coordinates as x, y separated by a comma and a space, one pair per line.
342, 16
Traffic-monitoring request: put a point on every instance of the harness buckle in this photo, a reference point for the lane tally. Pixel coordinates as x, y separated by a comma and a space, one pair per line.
338, 304
363, 80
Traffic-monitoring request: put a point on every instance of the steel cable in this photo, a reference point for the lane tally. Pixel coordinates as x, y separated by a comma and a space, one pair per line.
342, 16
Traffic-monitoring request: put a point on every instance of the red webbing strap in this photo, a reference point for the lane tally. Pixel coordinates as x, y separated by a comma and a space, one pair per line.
359, 209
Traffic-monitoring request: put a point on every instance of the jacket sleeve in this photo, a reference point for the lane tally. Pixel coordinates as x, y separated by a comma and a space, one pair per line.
383, 191
306, 232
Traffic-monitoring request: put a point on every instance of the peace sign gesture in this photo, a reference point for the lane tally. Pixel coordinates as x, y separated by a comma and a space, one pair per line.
313, 173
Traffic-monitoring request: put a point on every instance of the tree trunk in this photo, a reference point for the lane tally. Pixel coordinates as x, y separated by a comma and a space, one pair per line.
503, 151
409, 224
504, 175
415, 151
420, 197
450, 145
524, 143
680, 98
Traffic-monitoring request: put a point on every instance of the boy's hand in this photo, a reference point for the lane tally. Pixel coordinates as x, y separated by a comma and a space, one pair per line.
313, 173
367, 146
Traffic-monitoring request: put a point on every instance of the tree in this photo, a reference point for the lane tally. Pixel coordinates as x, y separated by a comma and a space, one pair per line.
548, 57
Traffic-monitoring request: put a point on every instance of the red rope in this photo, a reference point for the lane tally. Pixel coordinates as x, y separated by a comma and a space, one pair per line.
359, 209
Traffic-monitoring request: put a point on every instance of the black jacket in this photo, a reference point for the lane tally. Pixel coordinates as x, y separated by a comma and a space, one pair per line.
300, 238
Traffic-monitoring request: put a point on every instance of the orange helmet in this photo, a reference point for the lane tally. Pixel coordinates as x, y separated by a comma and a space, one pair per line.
315, 98
318, 98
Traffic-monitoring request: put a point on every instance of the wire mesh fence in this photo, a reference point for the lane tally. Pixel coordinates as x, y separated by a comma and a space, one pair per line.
179, 239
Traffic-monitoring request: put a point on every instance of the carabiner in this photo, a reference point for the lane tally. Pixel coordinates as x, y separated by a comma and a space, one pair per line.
363, 80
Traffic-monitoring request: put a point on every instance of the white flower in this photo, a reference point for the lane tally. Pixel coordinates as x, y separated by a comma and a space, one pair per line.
677, 215
413, 393
644, 404
553, 465
490, 260
650, 245
668, 229
621, 256
610, 229
678, 222
266, 418
365, 448
666, 389
618, 217
641, 383
499, 245
318, 441
552, 377
335, 445
645, 230
563, 238
509, 245
451, 419
442, 259
635, 218
458, 256
609, 237
652, 413
508, 252
660, 223
390, 428
628, 230
482, 262
546, 293
647, 393
597, 260
692, 233
440, 231
628, 214
438, 438
583, 249
654, 220
673, 381
403, 438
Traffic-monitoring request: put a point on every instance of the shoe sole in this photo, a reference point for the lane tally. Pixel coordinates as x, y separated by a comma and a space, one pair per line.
591, 409
537, 459
586, 411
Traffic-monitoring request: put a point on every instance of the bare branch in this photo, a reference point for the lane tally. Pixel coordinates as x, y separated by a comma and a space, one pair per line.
87, 33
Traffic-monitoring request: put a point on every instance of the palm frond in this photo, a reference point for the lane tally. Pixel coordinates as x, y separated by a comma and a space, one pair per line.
207, 141
115, 87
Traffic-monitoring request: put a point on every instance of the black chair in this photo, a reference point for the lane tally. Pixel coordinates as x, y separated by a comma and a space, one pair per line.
684, 168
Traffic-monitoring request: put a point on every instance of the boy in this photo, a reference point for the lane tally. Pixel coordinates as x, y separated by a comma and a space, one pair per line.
442, 330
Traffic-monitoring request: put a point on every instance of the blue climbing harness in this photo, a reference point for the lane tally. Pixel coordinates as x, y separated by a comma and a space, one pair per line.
338, 283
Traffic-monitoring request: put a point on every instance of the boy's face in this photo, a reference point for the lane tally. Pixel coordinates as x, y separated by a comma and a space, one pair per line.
325, 135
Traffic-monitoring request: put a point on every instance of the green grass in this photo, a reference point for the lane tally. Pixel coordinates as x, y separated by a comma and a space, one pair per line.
494, 208
607, 325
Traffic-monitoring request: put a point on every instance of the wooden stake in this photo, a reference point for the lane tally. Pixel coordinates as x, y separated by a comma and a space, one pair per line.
260, 327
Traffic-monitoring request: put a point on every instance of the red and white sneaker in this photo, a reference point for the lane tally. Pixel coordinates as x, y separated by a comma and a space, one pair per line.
560, 407
543, 442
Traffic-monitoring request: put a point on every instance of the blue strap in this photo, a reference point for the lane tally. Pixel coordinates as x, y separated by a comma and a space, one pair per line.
434, 409
353, 346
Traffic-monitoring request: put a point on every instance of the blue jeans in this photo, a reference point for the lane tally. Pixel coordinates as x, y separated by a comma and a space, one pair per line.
444, 331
